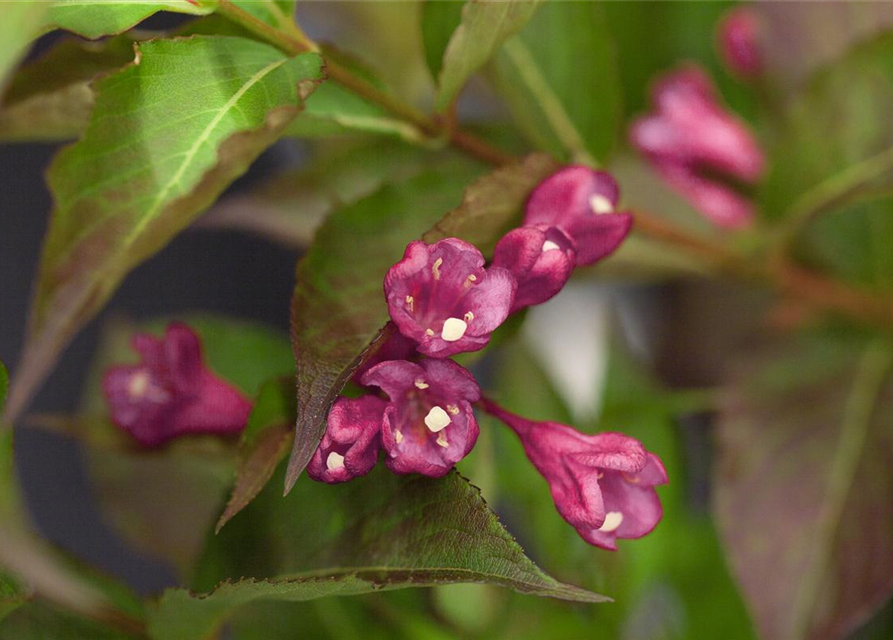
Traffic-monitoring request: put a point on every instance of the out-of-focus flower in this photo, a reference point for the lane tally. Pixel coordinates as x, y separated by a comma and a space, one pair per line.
582, 203
541, 259
349, 448
602, 484
738, 35
428, 425
171, 393
442, 297
699, 148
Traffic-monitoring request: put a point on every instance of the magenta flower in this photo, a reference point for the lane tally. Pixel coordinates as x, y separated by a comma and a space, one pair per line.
349, 448
540, 258
428, 424
442, 297
738, 35
171, 393
699, 148
602, 484
582, 204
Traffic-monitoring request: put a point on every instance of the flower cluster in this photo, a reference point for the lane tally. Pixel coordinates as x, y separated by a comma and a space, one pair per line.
703, 151
444, 299
171, 393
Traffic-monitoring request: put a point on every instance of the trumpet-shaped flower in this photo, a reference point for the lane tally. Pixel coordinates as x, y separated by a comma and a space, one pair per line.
350, 446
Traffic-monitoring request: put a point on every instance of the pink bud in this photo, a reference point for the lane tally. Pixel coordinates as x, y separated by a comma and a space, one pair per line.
171, 393
350, 446
738, 35
602, 484
540, 259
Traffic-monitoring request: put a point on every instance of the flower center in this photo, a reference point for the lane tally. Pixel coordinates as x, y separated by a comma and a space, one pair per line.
334, 461
437, 419
454, 329
613, 520
548, 245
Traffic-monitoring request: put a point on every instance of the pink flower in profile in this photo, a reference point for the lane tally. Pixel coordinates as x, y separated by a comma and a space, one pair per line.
428, 424
581, 203
540, 258
602, 484
171, 393
699, 148
738, 35
441, 296
349, 448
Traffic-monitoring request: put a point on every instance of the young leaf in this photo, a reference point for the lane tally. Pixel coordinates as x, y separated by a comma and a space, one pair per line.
485, 25
265, 442
804, 483
338, 308
561, 81
18, 27
438, 22
51, 98
97, 18
159, 149
375, 533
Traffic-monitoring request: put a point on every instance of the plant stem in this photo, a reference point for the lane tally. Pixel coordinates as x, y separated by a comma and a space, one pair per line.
779, 273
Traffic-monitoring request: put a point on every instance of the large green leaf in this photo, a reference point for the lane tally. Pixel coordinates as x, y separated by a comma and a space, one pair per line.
804, 483
19, 26
438, 22
375, 533
159, 148
485, 25
338, 308
51, 98
561, 81
97, 18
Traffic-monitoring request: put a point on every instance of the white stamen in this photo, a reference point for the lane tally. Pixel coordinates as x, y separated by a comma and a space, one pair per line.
630, 478
470, 280
548, 245
421, 384
442, 441
398, 436
469, 316
409, 302
139, 384
429, 332
453, 329
437, 419
453, 409
334, 461
613, 519
600, 204
435, 268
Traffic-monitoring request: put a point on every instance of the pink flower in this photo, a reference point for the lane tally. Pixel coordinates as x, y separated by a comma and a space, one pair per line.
171, 393
540, 258
602, 484
349, 448
581, 203
429, 424
738, 35
699, 148
442, 297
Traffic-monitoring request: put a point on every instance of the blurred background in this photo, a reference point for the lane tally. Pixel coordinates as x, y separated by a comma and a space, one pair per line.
622, 347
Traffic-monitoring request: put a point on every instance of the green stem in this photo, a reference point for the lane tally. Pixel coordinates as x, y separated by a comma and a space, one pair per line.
874, 368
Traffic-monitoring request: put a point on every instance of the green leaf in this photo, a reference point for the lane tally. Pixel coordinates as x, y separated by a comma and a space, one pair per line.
848, 102
277, 13
265, 443
338, 309
290, 207
17, 29
561, 81
803, 484
97, 18
159, 149
485, 25
51, 98
438, 22
375, 533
